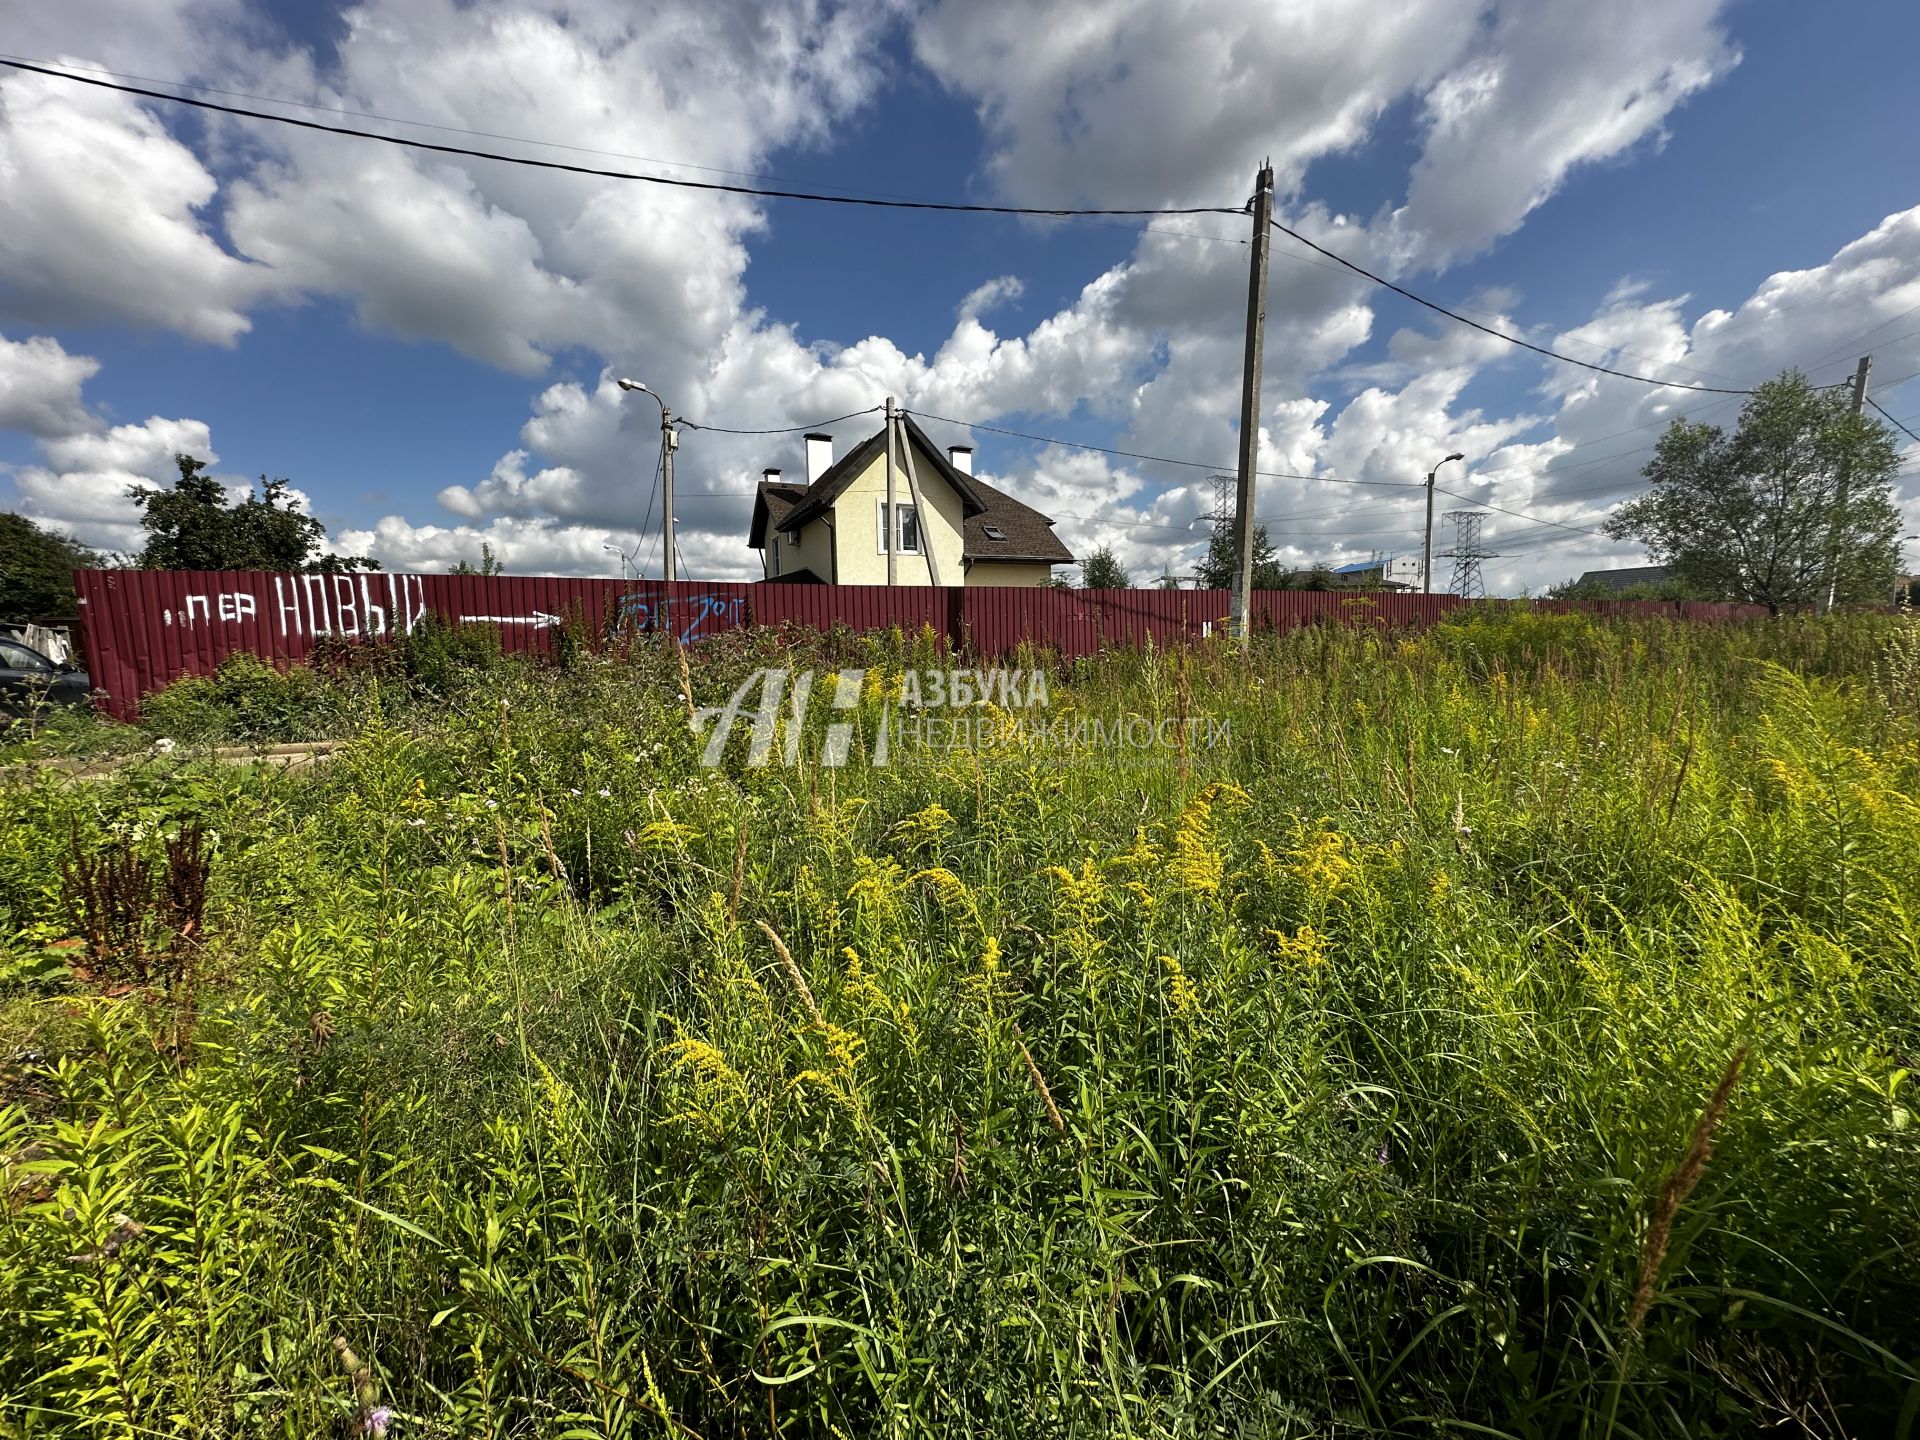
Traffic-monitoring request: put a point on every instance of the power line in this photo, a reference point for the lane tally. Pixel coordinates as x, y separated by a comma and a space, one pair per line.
1885, 385
1517, 514
1401, 290
587, 149
424, 124
778, 429
1156, 459
674, 181
1859, 341
1883, 410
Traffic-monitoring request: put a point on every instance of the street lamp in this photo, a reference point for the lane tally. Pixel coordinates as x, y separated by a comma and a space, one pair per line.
668, 444
623, 554
1426, 550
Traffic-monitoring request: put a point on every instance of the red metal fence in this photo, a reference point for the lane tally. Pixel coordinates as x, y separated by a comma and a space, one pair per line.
143, 629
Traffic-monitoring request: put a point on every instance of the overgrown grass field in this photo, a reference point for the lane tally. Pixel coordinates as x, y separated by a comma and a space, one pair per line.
1508, 1031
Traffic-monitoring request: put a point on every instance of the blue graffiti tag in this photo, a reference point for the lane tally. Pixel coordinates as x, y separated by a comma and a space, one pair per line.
645, 612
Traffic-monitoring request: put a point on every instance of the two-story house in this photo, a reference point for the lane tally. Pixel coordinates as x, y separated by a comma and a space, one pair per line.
832, 530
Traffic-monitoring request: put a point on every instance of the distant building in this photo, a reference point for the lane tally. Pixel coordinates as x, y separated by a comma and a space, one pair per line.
1400, 572
833, 529
1632, 577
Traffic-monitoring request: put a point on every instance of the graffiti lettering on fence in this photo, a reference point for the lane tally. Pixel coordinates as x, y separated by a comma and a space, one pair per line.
539, 620
690, 613
231, 606
348, 605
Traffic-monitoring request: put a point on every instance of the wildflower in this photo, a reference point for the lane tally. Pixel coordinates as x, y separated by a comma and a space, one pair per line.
1180, 992
990, 987
1196, 862
493, 804
1322, 861
925, 826
1083, 890
604, 793
1305, 947
945, 884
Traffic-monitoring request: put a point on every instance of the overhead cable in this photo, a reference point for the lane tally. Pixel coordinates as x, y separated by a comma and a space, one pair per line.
1883, 410
675, 181
778, 429
1434, 305
1216, 467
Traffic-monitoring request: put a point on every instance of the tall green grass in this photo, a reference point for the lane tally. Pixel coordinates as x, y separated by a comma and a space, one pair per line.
1327, 1082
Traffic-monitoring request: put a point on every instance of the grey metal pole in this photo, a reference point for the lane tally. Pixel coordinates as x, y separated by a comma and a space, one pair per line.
1240, 618
668, 443
1426, 548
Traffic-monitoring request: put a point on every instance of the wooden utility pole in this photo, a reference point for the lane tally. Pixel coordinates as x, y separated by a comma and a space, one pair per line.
1240, 620
1841, 489
922, 533
887, 522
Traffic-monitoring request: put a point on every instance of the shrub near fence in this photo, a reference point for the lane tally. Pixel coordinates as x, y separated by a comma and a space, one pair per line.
145, 629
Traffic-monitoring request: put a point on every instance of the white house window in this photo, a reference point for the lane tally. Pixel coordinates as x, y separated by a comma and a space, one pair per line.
907, 540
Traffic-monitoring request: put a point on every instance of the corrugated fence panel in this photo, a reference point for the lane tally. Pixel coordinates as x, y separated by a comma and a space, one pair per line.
144, 629
996, 620
910, 608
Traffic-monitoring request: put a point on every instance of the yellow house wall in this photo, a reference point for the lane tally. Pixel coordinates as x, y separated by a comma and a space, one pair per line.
856, 517
812, 551
1009, 572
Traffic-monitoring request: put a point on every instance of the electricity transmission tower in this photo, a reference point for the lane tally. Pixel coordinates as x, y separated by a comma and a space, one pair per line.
1467, 553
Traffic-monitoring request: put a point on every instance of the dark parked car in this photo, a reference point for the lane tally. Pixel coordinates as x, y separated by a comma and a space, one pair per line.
29, 681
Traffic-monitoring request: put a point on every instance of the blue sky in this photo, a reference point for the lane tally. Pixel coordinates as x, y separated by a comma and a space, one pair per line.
426, 348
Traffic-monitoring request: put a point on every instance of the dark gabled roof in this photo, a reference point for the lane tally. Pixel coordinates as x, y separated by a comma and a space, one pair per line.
773, 502
1029, 534
801, 576
1627, 578
844, 471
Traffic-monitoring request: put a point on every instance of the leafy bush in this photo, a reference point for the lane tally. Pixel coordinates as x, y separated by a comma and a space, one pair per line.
245, 701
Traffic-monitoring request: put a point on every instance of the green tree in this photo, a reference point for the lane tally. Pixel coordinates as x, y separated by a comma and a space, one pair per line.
193, 525
1102, 570
36, 569
1215, 572
1314, 577
489, 564
1757, 515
